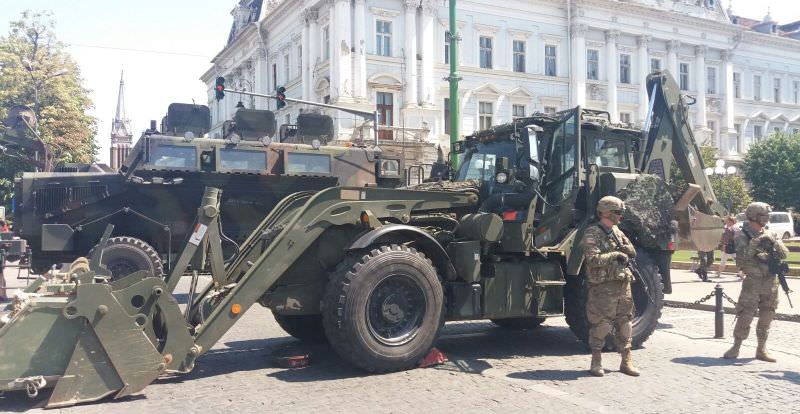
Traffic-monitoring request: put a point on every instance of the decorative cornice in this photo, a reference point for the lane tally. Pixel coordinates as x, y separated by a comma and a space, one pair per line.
643, 40
727, 55
548, 38
485, 28
410, 5
429, 7
519, 33
673, 45
446, 23
310, 15
381, 12
612, 35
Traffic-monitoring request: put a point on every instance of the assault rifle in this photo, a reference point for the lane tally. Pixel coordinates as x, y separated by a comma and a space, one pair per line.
779, 268
631, 265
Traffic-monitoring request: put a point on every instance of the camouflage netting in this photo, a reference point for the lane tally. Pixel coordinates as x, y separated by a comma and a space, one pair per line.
646, 220
451, 186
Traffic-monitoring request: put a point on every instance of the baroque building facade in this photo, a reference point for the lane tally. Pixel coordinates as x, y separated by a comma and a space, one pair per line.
515, 57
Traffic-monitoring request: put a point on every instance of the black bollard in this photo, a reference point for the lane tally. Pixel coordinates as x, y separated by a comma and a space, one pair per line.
719, 313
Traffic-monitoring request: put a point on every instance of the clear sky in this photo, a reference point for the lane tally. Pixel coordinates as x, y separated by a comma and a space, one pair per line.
106, 36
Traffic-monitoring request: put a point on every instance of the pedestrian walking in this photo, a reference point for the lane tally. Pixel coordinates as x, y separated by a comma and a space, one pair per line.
609, 303
727, 247
754, 245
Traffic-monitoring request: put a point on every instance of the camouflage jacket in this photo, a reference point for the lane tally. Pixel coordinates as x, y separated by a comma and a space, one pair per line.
605, 261
752, 250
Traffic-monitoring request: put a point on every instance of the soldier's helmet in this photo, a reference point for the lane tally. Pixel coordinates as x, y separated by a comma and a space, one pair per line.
610, 203
756, 209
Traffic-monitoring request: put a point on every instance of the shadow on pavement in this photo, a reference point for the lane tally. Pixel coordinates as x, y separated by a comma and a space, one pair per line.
551, 374
704, 362
790, 376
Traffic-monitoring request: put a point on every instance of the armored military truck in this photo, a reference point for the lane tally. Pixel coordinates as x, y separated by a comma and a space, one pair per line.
152, 199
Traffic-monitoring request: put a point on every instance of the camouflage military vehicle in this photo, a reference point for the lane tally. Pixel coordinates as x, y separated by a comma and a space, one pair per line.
151, 200
378, 271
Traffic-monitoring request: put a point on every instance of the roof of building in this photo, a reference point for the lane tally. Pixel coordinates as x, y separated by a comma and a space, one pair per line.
246, 12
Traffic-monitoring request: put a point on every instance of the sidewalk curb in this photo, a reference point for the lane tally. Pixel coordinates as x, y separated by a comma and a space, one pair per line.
728, 310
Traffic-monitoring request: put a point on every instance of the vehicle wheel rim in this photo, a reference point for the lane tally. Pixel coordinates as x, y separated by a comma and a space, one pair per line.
122, 267
395, 310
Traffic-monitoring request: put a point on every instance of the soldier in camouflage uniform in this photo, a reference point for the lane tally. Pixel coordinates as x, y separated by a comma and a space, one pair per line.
609, 303
760, 287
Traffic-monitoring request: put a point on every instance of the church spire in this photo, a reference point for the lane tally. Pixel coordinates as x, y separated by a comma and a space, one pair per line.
121, 98
121, 136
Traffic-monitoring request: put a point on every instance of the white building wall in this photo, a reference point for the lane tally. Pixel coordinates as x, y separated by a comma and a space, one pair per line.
674, 32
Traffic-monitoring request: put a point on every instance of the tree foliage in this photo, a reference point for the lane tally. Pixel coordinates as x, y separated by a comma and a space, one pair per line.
731, 190
772, 167
37, 71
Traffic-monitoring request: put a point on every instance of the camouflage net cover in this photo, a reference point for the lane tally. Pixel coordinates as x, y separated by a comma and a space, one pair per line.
646, 219
448, 186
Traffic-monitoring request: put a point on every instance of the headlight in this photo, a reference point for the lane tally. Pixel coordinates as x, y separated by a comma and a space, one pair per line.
316, 144
501, 178
188, 136
234, 138
266, 140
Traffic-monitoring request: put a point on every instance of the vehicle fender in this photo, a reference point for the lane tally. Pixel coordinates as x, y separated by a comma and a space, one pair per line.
404, 233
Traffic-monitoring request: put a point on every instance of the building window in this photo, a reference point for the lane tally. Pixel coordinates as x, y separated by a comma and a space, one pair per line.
758, 132
447, 47
384, 103
776, 90
326, 42
519, 56
592, 64
446, 115
383, 38
286, 68
684, 76
485, 115
737, 85
517, 111
756, 87
550, 109
274, 76
796, 92
486, 52
711, 81
624, 68
655, 65
734, 147
550, 68
625, 117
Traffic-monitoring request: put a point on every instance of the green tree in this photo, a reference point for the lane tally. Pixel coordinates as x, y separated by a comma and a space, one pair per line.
37, 71
731, 190
773, 168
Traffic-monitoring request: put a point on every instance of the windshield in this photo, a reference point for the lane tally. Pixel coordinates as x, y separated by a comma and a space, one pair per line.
173, 156
479, 162
608, 153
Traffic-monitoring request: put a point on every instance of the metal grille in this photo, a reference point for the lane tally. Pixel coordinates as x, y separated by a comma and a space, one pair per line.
55, 199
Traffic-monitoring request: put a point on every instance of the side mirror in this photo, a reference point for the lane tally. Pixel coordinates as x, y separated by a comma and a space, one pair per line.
533, 150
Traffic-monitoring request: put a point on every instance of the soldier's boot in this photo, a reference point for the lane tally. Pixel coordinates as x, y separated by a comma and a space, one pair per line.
597, 365
761, 351
733, 353
626, 366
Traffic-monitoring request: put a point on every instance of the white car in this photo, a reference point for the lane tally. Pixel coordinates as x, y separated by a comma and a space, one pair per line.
780, 222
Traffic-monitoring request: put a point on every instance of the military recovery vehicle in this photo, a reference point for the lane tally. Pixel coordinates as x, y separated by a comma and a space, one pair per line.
149, 201
378, 271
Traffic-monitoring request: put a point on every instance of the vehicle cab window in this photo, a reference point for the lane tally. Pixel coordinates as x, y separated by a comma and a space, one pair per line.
173, 156
608, 153
237, 159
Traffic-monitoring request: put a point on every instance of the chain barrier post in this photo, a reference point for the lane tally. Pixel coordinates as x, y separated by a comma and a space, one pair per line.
719, 313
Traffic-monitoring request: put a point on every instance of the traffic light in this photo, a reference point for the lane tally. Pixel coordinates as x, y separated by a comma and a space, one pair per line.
281, 97
219, 90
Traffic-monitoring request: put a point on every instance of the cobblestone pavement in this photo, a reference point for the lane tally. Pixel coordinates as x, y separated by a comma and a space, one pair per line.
491, 370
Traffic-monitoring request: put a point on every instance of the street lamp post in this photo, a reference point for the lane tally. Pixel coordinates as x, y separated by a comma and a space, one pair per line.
719, 170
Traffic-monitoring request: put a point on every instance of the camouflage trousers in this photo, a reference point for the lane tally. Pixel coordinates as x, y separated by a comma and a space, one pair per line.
758, 292
610, 306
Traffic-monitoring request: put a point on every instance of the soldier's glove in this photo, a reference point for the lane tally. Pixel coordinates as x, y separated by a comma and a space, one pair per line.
765, 240
622, 258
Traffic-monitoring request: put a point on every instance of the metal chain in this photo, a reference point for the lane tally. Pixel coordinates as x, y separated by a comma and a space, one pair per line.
729, 299
705, 298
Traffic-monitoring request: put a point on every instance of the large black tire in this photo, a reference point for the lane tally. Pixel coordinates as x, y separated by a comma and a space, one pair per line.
307, 328
383, 310
518, 323
124, 255
647, 310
